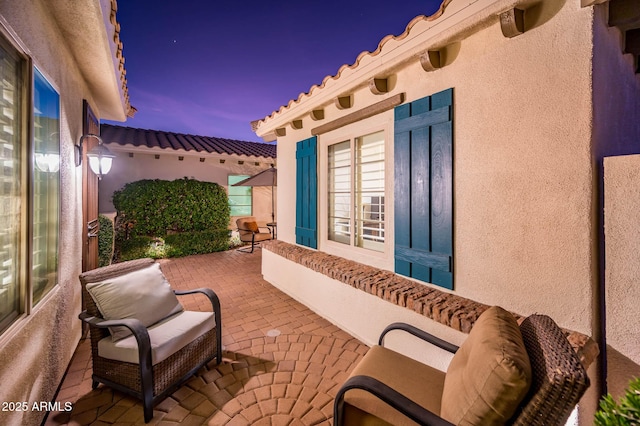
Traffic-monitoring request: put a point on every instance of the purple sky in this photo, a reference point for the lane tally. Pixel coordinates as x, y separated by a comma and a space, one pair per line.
209, 68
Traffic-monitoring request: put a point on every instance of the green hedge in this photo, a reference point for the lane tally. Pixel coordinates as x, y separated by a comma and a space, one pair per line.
105, 241
159, 218
158, 207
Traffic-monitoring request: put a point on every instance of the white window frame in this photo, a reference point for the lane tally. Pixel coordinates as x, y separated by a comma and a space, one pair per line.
380, 123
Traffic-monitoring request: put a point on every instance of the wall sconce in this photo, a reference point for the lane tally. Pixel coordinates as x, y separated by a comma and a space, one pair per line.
100, 158
48, 162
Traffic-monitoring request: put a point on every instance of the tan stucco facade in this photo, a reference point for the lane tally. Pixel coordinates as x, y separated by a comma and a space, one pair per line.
522, 164
622, 233
36, 349
529, 133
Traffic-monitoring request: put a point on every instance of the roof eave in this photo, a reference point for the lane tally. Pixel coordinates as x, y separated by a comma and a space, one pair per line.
92, 34
455, 21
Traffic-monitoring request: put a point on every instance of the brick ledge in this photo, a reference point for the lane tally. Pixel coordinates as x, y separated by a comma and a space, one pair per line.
451, 310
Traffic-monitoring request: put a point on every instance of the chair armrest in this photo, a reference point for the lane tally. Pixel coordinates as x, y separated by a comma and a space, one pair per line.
211, 295
421, 334
137, 328
264, 227
390, 396
256, 232
217, 315
249, 230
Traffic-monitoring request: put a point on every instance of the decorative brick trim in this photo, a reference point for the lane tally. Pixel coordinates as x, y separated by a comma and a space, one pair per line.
449, 309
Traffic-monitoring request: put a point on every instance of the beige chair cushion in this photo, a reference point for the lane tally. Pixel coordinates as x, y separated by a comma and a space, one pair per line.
144, 294
418, 382
167, 337
489, 375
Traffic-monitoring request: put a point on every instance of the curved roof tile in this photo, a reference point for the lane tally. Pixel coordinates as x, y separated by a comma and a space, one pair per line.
412, 23
122, 136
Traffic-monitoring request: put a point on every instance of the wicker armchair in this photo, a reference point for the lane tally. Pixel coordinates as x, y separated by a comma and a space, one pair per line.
249, 232
148, 375
372, 396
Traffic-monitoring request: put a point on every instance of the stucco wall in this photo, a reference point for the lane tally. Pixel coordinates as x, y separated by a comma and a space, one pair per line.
622, 273
523, 174
168, 167
36, 350
616, 132
525, 203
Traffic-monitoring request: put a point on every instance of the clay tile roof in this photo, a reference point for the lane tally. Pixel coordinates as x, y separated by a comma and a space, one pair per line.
177, 141
443, 5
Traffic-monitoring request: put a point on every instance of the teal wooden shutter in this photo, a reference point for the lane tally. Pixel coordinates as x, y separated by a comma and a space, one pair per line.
307, 193
423, 207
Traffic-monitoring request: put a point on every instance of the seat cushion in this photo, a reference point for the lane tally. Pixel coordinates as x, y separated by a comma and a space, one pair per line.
144, 294
489, 375
418, 382
167, 337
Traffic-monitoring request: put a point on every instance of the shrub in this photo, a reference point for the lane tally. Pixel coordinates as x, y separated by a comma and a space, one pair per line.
625, 412
158, 218
158, 207
187, 243
105, 241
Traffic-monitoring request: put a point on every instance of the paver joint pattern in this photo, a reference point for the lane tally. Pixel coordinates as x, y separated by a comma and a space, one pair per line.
264, 379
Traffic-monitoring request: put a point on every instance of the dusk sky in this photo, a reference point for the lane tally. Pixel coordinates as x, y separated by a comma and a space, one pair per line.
210, 68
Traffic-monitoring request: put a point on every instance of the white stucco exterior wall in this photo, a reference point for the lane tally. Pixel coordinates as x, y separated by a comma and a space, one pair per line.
523, 175
35, 351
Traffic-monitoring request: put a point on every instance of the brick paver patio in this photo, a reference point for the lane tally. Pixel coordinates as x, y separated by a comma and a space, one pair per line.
283, 363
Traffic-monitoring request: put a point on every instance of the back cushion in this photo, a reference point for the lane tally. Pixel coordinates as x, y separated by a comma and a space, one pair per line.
489, 375
144, 294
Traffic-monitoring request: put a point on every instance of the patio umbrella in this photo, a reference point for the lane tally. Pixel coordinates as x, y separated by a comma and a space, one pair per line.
267, 177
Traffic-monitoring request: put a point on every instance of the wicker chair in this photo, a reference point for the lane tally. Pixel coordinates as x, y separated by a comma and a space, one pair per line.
558, 381
249, 232
145, 378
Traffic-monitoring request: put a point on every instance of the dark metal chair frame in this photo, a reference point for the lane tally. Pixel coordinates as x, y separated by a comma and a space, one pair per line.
559, 379
145, 381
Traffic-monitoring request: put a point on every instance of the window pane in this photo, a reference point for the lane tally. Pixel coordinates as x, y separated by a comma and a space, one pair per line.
240, 197
340, 192
10, 190
46, 187
369, 192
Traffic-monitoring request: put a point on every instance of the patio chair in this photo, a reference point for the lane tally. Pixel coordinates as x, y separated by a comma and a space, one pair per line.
502, 374
143, 342
250, 232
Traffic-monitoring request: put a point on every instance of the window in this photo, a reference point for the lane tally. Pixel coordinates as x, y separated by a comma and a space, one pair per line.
12, 75
239, 196
29, 219
356, 192
46, 187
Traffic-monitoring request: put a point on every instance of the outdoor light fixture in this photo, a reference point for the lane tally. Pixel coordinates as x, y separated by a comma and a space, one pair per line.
100, 158
48, 162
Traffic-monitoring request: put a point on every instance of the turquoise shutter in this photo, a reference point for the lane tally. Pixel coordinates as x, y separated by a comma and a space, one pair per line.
423, 207
307, 193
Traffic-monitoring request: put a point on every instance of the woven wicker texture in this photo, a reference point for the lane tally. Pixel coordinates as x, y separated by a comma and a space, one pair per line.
125, 376
559, 379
